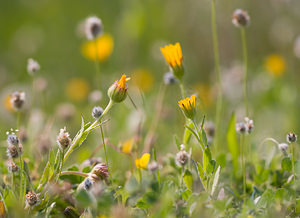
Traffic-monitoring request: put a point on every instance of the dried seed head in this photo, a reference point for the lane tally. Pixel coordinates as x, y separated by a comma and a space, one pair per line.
12, 139
283, 147
241, 127
169, 78
240, 18
93, 27
32, 66
182, 157
97, 112
31, 198
291, 137
17, 100
153, 166
63, 139
100, 170
12, 151
12, 167
249, 124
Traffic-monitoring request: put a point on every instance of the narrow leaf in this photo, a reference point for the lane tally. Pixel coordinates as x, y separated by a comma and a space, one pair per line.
188, 179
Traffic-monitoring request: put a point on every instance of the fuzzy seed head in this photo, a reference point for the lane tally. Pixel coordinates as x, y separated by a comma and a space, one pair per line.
31, 198
63, 139
291, 137
93, 27
100, 170
17, 100
240, 18
12, 151
97, 112
32, 66
182, 157
249, 124
12, 139
169, 78
12, 167
283, 147
241, 128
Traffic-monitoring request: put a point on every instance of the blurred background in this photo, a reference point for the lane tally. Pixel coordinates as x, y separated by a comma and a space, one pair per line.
49, 31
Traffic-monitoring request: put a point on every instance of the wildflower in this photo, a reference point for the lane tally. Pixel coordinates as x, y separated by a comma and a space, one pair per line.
12, 151
182, 157
127, 146
169, 78
141, 163
241, 128
283, 147
100, 170
93, 27
97, 112
249, 124
99, 50
291, 137
153, 166
143, 79
77, 89
188, 107
12, 140
63, 139
118, 91
12, 167
275, 64
173, 56
14, 147
31, 198
240, 18
32, 66
17, 100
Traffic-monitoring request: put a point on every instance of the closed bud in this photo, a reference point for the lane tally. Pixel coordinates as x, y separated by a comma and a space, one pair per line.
240, 18
291, 137
12, 151
97, 112
118, 91
100, 170
63, 139
12, 139
249, 124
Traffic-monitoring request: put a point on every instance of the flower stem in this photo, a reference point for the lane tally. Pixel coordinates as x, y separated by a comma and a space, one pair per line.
21, 179
293, 161
104, 146
75, 173
182, 89
218, 70
245, 57
242, 153
140, 175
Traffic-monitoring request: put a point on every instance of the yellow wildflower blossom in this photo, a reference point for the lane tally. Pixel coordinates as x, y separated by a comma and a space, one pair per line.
127, 146
141, 163
99, 50
173, 56
77, 89
143, 79
275, 64
187, 106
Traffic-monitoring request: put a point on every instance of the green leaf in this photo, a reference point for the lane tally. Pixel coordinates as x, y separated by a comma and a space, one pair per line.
266, 199
142, 204
232, 143
211, 166
187, 134
186, 194
206, 158
216, 180
44, 177
286, 164
203, 136
84, 198
188, 179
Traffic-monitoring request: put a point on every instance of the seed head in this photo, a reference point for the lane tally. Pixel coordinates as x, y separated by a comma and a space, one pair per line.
32, 66
12, 151
249, 124
12, 167
241, 128
17, 100
283, 147
169, 78
100, 170
31, 198
88, 183
291, 137
12, 139
93, 27
182, 157
240, 18
97, 112
63, 139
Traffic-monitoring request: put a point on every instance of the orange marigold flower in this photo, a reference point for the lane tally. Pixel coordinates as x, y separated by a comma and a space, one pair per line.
118, 91
188, 106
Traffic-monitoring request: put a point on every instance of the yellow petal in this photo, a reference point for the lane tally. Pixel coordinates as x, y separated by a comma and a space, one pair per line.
144, 160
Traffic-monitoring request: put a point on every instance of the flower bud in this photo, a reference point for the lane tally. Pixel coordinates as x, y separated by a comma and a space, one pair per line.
12, 151
31, 198
118, 91
291, 137
240, 18
97, 112
188, 107
17, 100
63, 139
32, 66
93, 27
100, 170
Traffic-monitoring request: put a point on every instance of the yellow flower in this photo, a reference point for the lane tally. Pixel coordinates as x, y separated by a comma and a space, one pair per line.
118, 91
143, 79
141, 163
127, 146
77, 89
188, 106
7, 104
104, 46
275, 64
173, 56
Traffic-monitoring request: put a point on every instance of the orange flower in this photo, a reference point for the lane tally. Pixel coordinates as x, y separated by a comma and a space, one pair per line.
187, 106
141, 163
118, 91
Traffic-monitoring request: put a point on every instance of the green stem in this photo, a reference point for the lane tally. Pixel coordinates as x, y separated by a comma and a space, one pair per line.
182, 89
75, 173
140, 175
105, 153
157, 171
62, 163
218, 70
293, 161
243, 163
245, 57
199, 135
18, 119
21, 179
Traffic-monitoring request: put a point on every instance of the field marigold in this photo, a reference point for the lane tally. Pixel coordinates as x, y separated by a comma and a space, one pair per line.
188, 106
99, 50
173, 56
118, 91
127, 146
275, 64
141, 163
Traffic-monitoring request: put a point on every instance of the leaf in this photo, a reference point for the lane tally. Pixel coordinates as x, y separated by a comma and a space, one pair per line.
203, 136
215, 182
187, 134
186, 194
206, 158
286, 164
142, 204
188, 179
232, 143
211, 166
266, 199
84, 198
44, 177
